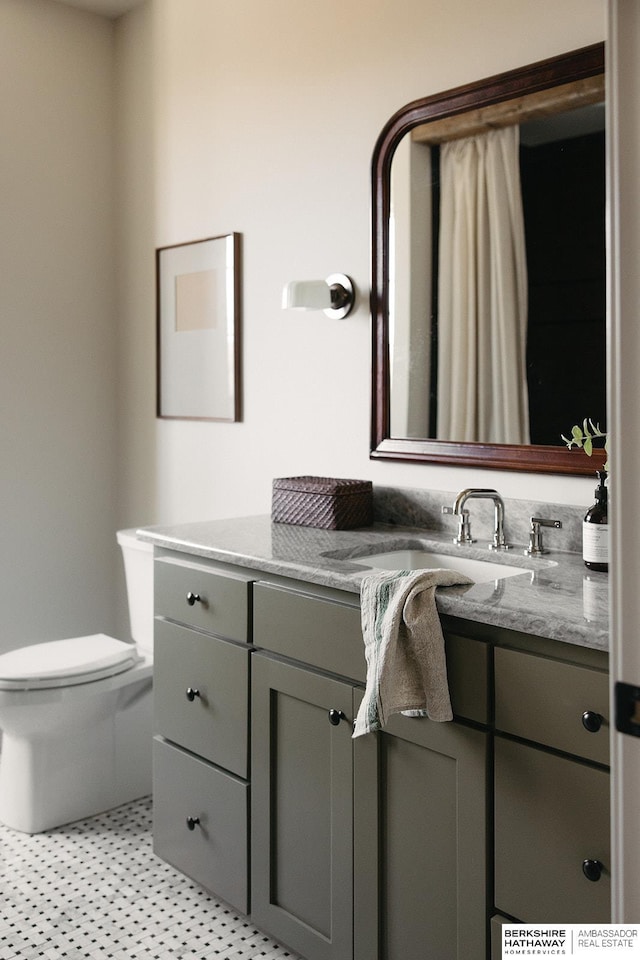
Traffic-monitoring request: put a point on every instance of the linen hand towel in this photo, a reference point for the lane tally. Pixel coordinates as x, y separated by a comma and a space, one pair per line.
404, 646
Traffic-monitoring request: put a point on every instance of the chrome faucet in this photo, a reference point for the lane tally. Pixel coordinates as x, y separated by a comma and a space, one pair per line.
464, 530
536, 548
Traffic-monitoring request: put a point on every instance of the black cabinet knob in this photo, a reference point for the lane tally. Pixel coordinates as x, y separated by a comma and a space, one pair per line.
192, 693
193, 598
335, 716
592, 869
192, 821
592, 721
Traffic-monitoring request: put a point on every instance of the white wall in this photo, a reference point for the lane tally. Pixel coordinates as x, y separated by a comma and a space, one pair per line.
253, 116
261, 118
57, 356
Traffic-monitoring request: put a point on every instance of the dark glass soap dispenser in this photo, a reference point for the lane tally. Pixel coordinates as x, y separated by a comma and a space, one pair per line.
595, 529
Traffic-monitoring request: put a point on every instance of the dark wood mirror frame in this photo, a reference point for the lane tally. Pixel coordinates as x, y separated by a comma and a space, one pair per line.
578, 65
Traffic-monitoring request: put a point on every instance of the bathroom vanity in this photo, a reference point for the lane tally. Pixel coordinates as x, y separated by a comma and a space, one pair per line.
424, 834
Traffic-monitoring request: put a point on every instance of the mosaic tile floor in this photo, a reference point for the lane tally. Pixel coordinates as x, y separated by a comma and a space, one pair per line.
94, 890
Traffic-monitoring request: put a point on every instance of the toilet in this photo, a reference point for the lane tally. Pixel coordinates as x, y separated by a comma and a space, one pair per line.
76, 715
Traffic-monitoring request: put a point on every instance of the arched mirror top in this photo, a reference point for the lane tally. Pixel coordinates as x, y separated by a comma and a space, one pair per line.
562, 83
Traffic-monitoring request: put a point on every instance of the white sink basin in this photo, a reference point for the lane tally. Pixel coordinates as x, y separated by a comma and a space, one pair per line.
480, 571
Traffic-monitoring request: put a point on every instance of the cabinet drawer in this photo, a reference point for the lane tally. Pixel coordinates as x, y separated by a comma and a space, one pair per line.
322, 633
551, 814
202, 598
211, 722
214, 853
544, 700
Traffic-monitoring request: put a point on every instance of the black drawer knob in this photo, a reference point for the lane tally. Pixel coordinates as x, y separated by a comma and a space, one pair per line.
193, 598
592, 869
192, 821
592, 721
335, 716
192, 693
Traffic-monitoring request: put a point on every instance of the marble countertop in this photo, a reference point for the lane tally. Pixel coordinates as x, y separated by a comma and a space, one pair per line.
555, 597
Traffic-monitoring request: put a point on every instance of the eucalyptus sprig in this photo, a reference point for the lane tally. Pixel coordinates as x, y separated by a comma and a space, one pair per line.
585, 435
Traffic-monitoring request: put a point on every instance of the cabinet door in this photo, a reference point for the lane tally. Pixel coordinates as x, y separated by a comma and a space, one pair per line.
551, 815
301, 809
431, 846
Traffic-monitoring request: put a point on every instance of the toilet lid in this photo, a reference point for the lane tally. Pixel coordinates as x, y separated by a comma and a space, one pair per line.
60, 663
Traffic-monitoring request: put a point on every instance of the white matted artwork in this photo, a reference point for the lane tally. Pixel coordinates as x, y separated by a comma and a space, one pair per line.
198, 290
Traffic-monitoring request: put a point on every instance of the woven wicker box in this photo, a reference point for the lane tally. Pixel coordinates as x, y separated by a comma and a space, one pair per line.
322, 502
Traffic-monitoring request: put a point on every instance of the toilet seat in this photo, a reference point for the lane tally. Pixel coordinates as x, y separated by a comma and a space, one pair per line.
64, 663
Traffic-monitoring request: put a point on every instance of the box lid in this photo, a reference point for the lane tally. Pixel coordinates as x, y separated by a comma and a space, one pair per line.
328, 486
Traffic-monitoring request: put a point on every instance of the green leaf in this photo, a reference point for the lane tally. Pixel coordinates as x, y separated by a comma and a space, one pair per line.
583, 437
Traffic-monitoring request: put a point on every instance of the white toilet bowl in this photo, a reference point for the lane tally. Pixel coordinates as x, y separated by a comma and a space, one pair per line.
76, 716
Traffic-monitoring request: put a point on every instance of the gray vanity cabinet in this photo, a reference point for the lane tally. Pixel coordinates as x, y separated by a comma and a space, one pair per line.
201, 703
552, 853
394, 845
361, 848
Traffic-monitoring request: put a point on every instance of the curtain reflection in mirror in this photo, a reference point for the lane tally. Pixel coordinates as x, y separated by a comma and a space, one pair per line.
467, 381
482, 292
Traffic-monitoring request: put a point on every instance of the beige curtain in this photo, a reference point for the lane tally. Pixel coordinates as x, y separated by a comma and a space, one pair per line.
482, 292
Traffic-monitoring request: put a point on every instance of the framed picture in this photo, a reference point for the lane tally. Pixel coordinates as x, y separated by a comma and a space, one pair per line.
198, 329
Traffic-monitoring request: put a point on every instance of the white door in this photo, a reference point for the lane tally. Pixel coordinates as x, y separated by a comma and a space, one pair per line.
623, 79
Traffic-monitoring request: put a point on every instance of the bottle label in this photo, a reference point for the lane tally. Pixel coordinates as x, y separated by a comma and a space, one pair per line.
595, 542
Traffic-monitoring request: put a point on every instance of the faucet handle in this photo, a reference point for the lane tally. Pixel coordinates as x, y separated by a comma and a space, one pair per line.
464, 525
535, 548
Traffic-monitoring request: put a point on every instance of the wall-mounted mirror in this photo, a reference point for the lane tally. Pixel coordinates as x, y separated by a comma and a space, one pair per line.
488, 289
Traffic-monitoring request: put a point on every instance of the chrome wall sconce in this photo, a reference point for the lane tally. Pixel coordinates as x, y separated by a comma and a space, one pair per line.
335, 295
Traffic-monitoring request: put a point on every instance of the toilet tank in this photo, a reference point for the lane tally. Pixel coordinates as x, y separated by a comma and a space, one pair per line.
138, 570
